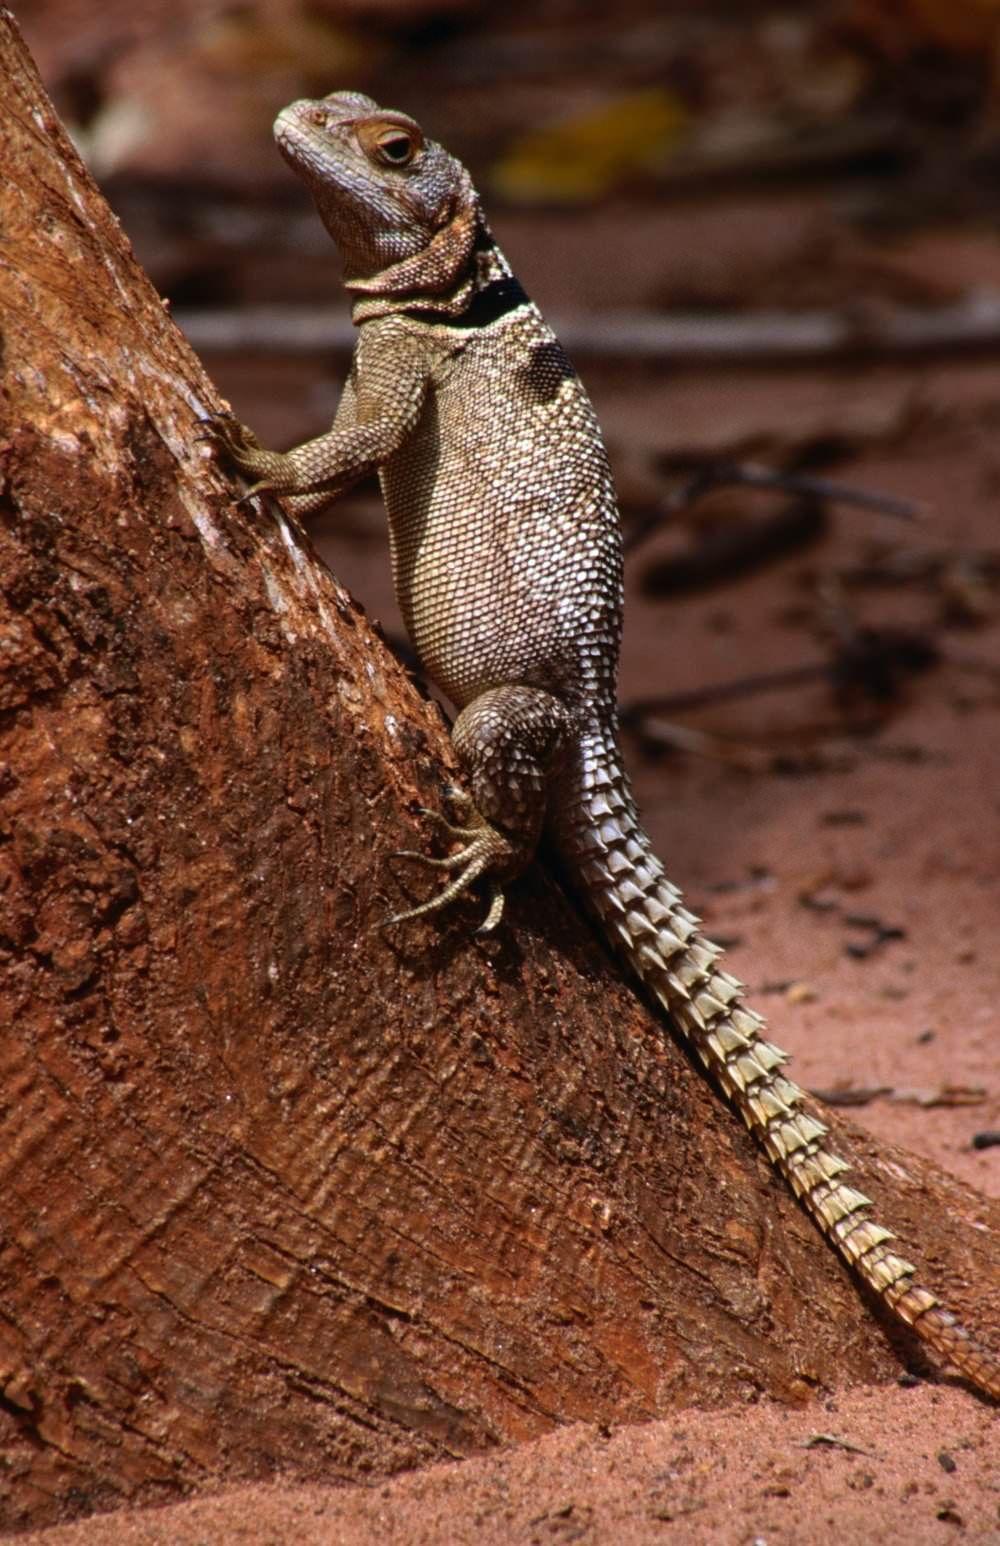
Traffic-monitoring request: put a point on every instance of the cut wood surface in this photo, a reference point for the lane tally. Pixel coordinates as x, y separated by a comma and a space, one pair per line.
281, 1191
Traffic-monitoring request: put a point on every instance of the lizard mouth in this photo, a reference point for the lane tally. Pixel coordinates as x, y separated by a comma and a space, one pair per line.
312, 135
312, 141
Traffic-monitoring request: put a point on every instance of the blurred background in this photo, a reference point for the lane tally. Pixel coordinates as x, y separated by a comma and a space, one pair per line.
764, 231
768, 234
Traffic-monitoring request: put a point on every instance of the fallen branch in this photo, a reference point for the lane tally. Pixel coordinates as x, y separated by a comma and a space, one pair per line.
809, 490
747, 339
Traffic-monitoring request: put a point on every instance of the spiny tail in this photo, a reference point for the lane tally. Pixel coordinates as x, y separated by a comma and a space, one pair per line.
646, 921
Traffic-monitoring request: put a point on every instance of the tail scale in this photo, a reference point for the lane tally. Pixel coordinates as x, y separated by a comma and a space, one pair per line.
645, 918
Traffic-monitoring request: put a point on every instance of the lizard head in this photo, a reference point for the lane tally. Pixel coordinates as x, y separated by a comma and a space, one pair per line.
401, 209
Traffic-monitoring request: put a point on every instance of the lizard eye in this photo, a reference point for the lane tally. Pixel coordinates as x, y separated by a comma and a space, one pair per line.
395, 147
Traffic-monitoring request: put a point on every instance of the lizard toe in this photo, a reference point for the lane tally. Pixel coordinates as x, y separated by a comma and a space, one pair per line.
444, 825
487, 852
260, 487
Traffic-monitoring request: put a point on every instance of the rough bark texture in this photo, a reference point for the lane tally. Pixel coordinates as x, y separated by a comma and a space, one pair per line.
278, 1190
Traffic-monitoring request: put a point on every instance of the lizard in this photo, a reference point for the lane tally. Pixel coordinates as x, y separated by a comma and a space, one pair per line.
507, 563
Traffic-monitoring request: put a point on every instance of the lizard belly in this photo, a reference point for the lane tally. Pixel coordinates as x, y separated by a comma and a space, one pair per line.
504, 529
496, 585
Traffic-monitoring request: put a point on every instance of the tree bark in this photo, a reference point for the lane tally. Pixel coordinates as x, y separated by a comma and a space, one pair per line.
280, 1190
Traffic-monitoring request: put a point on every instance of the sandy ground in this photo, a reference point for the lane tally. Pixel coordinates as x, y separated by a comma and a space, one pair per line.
921, 1464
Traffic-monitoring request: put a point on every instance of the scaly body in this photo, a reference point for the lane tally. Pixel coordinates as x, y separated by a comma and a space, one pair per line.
507, 564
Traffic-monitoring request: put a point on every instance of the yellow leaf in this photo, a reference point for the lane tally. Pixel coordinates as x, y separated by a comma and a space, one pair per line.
586, 155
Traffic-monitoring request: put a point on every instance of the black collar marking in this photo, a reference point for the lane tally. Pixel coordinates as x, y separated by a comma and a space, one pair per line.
487, 305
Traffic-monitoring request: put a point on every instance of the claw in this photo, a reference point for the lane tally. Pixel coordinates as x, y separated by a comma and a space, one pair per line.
215, 422
263, 487
495, 913
454, 889
484, 850
229, 434
444, 825
210, 426
452, 862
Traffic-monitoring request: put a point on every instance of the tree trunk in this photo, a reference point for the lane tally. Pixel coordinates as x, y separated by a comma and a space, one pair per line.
280, 1189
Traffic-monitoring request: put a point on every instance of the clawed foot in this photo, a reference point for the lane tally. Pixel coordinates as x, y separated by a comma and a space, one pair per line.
462, 804
484, 850
239, 446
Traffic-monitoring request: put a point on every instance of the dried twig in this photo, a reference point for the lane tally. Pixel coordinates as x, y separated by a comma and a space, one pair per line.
872, 663
731, 551
941, 1095
832, 1441
633, 714
747, 339
856, 1096
726, 474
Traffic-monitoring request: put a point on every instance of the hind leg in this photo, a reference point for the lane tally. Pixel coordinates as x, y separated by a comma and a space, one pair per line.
508, 741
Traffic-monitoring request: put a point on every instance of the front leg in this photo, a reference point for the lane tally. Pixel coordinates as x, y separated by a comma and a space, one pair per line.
510, 741
315, 472
380, 408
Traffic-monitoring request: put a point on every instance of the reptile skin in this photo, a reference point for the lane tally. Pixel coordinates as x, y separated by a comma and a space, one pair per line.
506, 558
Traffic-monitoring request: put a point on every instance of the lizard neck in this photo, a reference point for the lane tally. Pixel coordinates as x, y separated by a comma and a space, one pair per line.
481, 286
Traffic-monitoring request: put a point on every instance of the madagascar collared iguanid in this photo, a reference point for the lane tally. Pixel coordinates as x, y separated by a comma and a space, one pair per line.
506, 556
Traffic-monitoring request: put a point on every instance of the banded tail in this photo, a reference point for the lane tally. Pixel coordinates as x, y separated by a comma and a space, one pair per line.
645, 920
